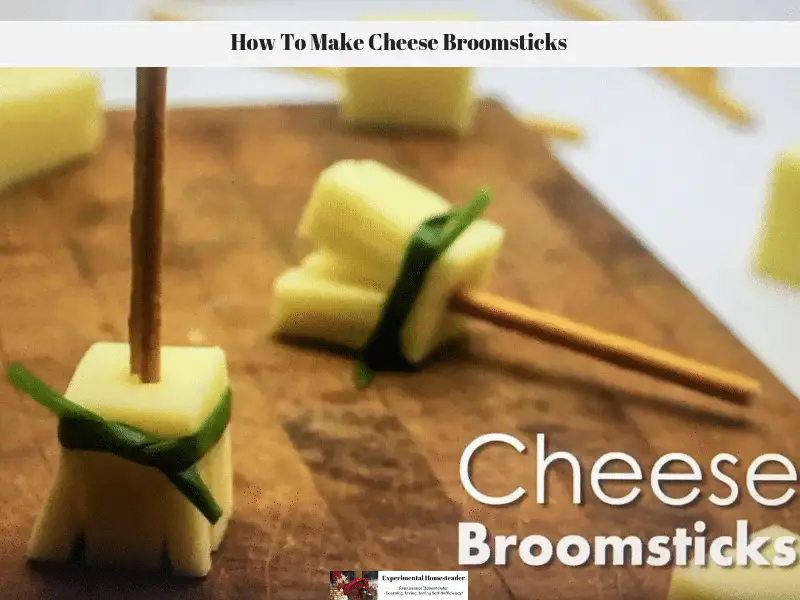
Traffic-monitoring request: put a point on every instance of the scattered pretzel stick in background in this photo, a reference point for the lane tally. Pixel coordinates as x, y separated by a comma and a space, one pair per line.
700, 82
556, 130
659, 11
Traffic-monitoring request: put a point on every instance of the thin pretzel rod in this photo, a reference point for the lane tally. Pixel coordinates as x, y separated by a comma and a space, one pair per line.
146, 223
610, 348
579, 10
135, 312
555, 129
707, 91
700, 82
165, 14
659, 11
703, 77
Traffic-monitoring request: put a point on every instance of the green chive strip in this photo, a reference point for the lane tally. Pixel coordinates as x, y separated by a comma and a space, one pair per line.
383, 350
82, 429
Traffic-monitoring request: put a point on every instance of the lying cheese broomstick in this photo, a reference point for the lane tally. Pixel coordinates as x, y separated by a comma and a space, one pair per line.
397, 269
145, 471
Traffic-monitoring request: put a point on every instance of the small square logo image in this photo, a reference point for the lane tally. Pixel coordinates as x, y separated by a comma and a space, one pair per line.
353, 585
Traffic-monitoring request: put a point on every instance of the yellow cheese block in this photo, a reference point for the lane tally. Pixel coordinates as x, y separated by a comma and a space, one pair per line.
778, 254
48, 117
751, 582
327, 299
423, 98
364, 214
129, 514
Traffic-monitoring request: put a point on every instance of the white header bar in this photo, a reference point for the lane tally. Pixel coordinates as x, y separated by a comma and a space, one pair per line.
399, 44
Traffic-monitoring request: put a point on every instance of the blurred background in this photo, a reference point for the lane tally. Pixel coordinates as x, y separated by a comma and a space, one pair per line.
688, 183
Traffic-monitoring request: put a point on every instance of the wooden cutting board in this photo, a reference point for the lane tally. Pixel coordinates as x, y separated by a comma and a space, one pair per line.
330, 478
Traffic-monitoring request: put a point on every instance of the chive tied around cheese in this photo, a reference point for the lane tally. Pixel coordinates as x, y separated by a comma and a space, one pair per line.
383, 351
82, 429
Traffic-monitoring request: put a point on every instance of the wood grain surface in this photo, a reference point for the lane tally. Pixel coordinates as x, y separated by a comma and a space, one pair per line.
331, 478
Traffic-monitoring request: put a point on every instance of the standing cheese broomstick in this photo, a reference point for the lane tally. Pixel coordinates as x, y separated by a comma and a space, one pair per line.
145, 471
397, 269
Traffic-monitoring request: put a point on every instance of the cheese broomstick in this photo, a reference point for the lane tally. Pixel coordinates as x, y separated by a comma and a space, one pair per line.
145, 468
397, 269
701, 82
423, 98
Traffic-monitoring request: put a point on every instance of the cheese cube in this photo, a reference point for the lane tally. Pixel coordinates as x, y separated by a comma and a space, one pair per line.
48, 117
129, 515
425, 98
363, 214
751, 582
778, 255
325, 300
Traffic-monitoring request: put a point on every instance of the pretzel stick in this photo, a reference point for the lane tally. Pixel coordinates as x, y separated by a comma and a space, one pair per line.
164, 14
555, 129
700, 82
144, 322
659, 11
614, 349
578, 10
708, 92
